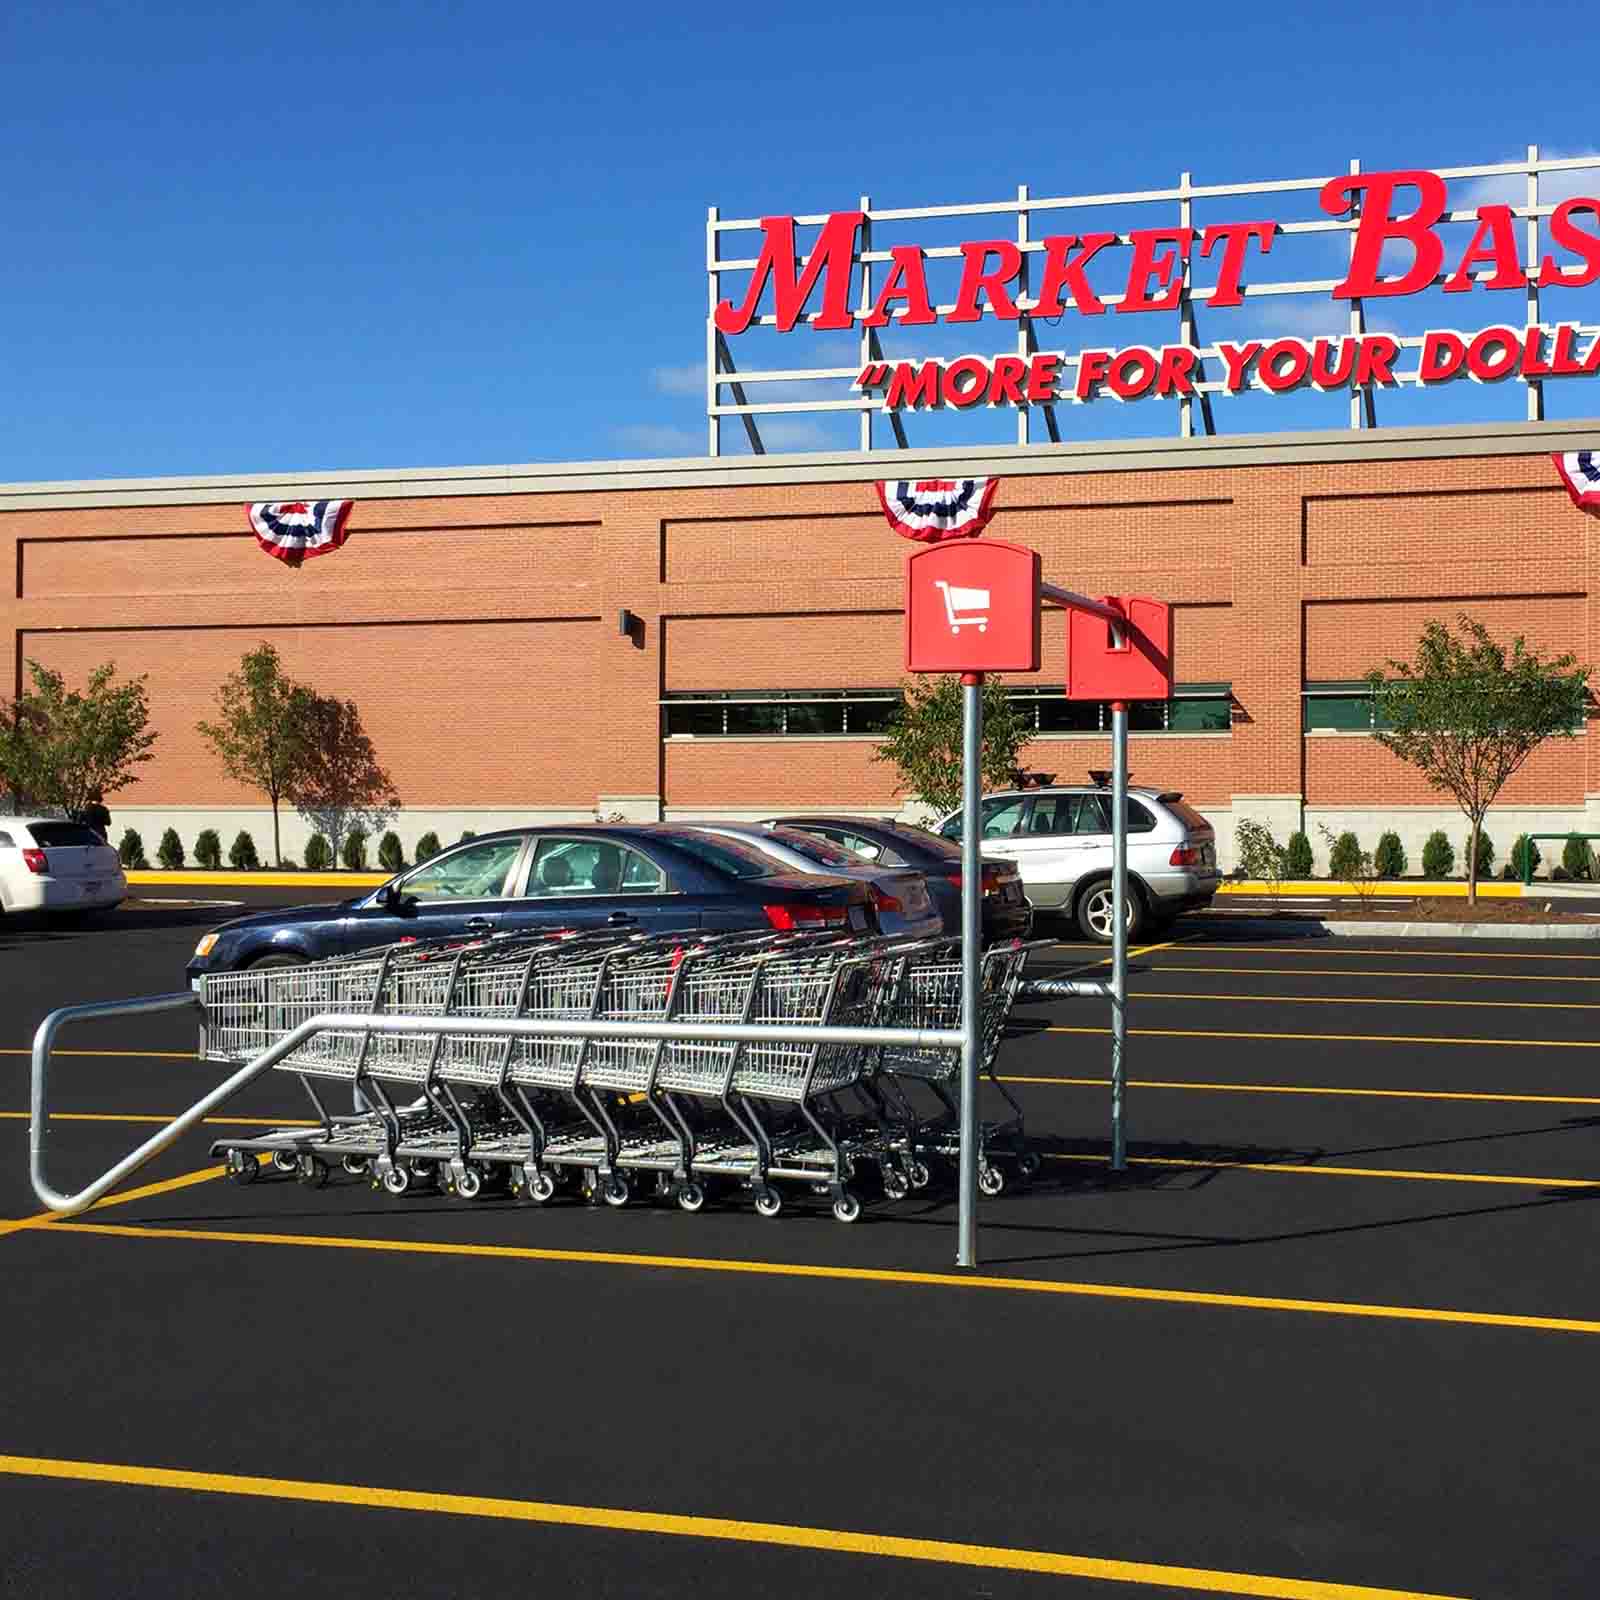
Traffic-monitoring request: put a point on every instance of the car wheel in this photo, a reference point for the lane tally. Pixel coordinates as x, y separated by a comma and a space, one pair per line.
279, 959
1094, 911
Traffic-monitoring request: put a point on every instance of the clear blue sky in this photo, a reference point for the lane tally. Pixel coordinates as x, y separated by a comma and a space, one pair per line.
282, 237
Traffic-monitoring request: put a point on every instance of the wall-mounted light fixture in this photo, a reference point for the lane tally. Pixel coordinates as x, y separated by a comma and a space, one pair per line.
631, 626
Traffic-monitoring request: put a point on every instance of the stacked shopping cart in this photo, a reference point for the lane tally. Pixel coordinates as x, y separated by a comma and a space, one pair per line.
618, 1117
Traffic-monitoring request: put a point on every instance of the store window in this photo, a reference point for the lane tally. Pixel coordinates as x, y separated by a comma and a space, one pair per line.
1337, 706
1193, 708
778, 713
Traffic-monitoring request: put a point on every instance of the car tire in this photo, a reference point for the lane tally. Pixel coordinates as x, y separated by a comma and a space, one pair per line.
279, 958
1093, 911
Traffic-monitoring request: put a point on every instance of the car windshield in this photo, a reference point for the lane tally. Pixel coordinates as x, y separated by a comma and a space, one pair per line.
55, 835
823, 851
730, 857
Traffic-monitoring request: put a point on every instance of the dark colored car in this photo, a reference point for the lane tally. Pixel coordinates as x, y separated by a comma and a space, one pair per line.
653, 878
1006, 911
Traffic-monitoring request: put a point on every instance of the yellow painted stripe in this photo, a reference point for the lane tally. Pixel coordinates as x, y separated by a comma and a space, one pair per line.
145, 1116
1379, 972
1385, 889
1366, 1000
1333, 1038
885, 1275
1320, 1089
131, 1055
166, 1186
1316, 1169
736, 1530
266, 879
1328, 949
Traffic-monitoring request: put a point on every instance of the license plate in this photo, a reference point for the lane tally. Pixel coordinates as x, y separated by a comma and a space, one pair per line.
858, 918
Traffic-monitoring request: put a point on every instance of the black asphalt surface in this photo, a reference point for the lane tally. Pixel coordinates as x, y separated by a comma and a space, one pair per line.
1280, 1429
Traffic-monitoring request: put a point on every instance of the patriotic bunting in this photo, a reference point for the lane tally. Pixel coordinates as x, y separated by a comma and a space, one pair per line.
295, 530
1580, 471
931, 509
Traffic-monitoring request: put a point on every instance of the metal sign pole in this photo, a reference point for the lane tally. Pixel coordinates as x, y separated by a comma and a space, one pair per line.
971, 902
1119, 928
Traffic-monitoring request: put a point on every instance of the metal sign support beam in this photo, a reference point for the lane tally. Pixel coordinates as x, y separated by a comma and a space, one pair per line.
971, 938
1119, 930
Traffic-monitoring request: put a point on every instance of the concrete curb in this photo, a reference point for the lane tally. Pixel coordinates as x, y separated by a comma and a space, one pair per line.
1338, 927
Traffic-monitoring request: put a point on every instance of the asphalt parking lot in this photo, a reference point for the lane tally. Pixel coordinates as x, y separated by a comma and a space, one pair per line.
1332, 1334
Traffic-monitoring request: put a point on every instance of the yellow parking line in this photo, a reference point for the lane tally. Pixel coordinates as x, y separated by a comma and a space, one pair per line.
1316, 1169
166, 1186
885, 1275
1321, 947
736, 1530
132, 1055
1332, 1038
141, 1116
1289, 1088
1367, 1000
1352, 972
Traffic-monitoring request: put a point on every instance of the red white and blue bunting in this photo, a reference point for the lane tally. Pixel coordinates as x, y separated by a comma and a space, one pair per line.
296, 530
932, 509
1580, 471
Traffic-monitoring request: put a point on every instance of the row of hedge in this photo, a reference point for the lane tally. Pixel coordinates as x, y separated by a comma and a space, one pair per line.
244, 857
1439, 857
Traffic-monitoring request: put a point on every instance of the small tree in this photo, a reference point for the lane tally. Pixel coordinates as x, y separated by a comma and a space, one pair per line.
427, 847
468, 833
1468, 713
339, 786
354, 852
258, 735
66, 748
1344, 852
319, 853
242, 855
1578, 858
1438, 855
1261, 855
208, 849
1298, 859
923, 742
131, 850
1389, 859
1485, 861
170, 851
391, 854
1525, 857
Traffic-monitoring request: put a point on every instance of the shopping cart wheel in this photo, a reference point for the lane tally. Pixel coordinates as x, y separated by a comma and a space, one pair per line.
423, 1173
896, 1185
768, 1201
469, 1183
991, 1181
542, 1189
691, 1197
920, 1174
243, 1166
397, 1180
1029, 1163
356, 1166
846, 1208
616, 1191
312, 1171
285, 1161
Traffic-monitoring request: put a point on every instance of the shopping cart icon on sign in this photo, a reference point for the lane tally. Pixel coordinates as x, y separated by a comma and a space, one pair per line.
965, 608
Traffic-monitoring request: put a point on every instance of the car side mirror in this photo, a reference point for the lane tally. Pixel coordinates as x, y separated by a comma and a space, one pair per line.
394, 902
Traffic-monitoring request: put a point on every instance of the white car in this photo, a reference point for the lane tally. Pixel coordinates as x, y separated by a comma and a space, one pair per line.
62, 867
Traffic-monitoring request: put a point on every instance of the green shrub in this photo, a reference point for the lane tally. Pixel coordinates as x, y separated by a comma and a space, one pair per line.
1438, 855
208, 849
1485, 853
1298, 860
319, 853
427, 847
354, 850
1344, 859
391, 857
1389, 859
471, 833
1578, 858
242, 855
170, 851
1525, 858
131, 850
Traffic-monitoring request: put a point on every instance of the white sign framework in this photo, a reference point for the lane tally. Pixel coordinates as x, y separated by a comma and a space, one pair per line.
1508, 252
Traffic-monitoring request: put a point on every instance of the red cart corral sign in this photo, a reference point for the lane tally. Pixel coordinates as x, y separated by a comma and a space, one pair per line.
1138, 667
972, 605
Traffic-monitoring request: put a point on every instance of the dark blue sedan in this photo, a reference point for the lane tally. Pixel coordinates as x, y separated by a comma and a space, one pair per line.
653, 878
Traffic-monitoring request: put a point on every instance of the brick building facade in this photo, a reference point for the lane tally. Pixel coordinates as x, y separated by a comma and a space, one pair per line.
473, 616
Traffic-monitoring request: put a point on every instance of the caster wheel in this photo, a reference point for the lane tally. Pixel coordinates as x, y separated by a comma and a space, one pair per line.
312, 1171
846, 1208
919, 1174
469, 1183
543, 1188
616, 1192
397, 1180
423, 1173
691, 1197
896, 1185
285, 1161
244, 1167
356, 1166
991, 1181
768, 1202
1029, 1164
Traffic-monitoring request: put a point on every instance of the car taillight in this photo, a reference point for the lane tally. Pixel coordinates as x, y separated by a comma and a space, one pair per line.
788, 916
883, 900
34, 861
1186, 855
992, 879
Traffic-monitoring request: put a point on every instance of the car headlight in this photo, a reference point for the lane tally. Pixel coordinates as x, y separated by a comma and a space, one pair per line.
206, 946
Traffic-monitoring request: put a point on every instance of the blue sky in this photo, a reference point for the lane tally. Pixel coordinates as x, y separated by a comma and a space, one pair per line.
296, 237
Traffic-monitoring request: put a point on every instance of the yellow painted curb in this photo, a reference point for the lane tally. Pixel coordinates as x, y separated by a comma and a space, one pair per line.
274, 880
1385, 886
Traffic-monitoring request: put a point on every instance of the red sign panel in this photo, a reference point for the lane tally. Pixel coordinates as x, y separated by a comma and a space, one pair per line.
1139, 667
972, 605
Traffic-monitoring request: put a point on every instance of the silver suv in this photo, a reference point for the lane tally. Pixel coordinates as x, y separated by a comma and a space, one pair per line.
1060, 839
